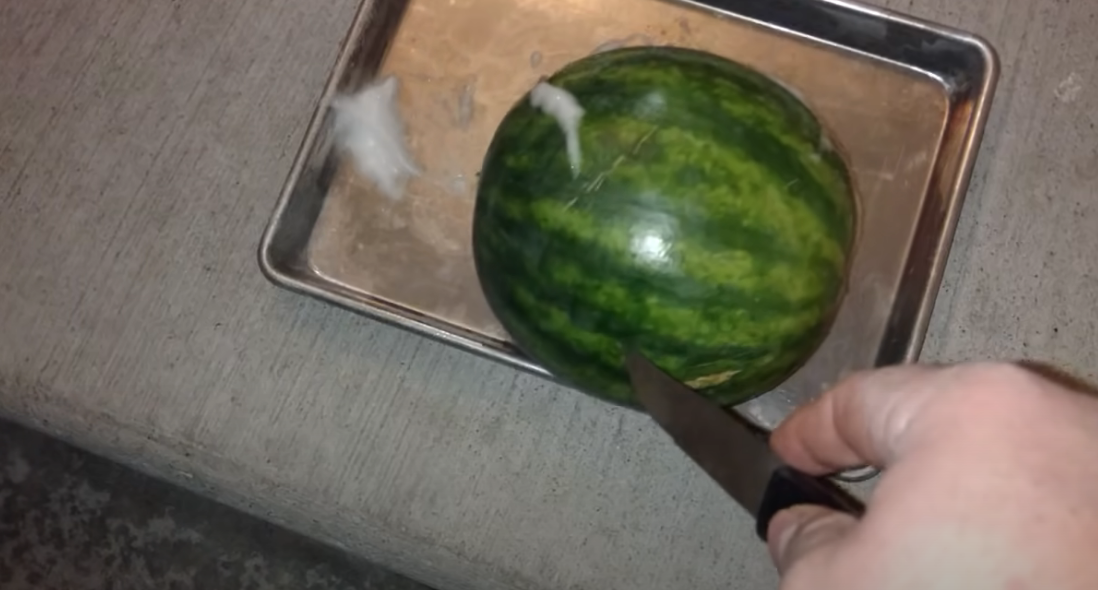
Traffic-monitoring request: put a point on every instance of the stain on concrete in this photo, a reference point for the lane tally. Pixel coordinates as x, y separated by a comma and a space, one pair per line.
73, 521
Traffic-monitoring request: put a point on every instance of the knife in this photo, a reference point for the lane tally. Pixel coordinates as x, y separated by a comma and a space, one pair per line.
730, 451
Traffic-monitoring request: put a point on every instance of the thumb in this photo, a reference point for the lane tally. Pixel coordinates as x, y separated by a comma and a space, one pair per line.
795, 533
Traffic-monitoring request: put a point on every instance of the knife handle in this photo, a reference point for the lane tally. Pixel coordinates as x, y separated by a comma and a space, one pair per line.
789, 487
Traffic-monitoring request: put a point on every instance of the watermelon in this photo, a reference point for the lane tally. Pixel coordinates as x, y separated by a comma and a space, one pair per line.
708, 223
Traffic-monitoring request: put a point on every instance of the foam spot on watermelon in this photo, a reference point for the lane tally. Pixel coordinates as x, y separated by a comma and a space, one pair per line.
562, 106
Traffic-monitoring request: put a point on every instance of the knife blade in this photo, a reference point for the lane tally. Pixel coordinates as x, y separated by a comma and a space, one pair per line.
734, 455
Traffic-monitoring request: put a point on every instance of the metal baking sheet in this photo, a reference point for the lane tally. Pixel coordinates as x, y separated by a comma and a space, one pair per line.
908, 100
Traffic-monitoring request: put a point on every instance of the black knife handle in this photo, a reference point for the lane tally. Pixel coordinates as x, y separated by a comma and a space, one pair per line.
789, 487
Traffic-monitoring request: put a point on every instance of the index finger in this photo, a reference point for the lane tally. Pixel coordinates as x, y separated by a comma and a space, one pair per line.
863, 420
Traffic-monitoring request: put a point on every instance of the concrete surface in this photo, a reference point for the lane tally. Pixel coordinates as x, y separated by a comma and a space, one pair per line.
73, 521
142, 145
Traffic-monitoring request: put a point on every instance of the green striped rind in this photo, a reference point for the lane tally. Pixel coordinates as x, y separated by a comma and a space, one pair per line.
710, 226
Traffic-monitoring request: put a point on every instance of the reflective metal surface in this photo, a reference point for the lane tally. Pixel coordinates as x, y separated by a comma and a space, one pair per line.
732, 452
737, 458
906, 100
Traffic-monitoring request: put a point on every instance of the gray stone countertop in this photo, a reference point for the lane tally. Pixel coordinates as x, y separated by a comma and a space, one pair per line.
142, 147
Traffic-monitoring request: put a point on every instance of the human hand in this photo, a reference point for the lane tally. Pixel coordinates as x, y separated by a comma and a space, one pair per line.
990, 481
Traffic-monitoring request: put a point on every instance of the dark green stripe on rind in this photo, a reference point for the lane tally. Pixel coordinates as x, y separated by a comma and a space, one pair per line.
749, 225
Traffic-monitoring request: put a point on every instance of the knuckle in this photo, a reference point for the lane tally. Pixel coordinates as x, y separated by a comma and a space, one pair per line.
978, 387
1000, 376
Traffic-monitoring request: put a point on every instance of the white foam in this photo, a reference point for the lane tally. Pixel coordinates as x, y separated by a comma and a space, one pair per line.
562, 106
369, 128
